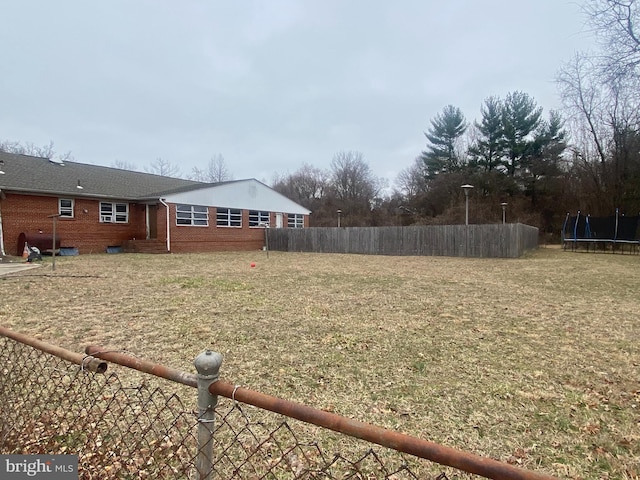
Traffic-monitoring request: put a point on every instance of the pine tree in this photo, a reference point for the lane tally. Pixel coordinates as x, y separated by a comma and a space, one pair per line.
487, 150
542, 166
520, 120
446, 128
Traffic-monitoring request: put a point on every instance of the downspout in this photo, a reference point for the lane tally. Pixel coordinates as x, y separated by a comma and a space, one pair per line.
2, 253
168, 227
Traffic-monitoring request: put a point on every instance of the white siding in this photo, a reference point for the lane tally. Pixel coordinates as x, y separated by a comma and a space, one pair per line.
244, 194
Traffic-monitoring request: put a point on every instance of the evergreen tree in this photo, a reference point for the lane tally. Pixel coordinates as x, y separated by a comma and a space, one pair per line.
542, 166
486, 152
520, 120
446, 129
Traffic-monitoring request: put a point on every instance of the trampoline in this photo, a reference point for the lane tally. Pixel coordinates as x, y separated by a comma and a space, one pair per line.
616, 233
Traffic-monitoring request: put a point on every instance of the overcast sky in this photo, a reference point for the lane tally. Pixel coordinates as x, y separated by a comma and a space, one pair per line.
269, 84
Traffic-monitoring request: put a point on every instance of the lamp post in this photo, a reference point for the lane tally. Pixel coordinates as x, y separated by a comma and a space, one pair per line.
466, 187
504, 210
339, 215
53, 251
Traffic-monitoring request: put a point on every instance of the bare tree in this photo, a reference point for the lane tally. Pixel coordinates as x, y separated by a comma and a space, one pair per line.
163, 167
216, 171
355, 188
28, 148
306, 186
616, 23
412, 180
352, 178
601, 91
197, 174
582, 97
309, 186
124, 165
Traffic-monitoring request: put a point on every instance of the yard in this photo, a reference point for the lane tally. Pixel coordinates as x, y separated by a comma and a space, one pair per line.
535, 361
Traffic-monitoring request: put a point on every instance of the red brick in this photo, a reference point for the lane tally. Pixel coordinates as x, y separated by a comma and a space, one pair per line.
29, 214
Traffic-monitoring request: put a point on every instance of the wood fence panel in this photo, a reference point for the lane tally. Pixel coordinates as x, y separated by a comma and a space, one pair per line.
490, 241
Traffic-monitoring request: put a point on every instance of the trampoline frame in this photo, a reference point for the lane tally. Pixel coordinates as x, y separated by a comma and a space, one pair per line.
589, 241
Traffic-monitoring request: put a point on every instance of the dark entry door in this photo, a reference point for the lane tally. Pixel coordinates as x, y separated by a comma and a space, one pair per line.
152, 221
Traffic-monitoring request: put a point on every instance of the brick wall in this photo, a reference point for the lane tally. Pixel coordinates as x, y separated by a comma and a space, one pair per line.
211, 238
28, 214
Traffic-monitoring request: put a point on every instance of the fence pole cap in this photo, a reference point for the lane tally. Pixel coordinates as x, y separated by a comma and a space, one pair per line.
208, 363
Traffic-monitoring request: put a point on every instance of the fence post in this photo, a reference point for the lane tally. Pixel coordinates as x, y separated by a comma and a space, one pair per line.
208, 366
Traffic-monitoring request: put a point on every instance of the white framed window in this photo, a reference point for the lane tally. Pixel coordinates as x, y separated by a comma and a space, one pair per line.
295, 220
194, 215
258, 219
114, 212
228, 217
65, 207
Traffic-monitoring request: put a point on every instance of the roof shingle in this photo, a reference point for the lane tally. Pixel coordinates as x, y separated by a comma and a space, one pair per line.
39, 175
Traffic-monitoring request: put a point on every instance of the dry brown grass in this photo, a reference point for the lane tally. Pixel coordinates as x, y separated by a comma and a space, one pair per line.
535, 361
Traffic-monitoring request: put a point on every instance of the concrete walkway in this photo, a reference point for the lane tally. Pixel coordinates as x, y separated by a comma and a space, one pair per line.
7, 268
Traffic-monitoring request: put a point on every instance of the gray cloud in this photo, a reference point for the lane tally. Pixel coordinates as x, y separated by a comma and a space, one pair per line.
270, 85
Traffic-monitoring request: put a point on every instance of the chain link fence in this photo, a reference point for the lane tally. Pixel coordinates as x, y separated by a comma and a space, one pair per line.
53, 405
252, 444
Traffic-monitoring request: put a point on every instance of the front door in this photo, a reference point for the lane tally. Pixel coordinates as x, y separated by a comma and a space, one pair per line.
152, 222
278, 220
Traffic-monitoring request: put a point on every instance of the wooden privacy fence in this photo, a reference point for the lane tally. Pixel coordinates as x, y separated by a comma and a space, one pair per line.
491, 241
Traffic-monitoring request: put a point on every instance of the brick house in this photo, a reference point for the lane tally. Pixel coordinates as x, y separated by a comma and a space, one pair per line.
100, 207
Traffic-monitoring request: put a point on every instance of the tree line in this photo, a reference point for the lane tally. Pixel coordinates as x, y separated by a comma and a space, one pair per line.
513, 154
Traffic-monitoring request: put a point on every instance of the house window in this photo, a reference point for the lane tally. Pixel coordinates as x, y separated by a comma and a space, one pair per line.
65, 207
114, 212
295, 220
258, 219
229, 217
194, 215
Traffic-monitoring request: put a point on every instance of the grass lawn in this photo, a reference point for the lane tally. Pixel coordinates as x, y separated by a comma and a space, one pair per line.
535, 361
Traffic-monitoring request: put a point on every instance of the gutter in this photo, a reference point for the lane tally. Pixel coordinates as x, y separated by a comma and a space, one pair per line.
2, 252
168, 226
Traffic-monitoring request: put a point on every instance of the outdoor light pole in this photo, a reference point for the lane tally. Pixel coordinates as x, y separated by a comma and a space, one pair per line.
466, 187
504, 210
339, 215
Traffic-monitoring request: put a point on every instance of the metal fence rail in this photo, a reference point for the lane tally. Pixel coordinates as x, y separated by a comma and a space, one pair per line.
400, 442
53, 401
